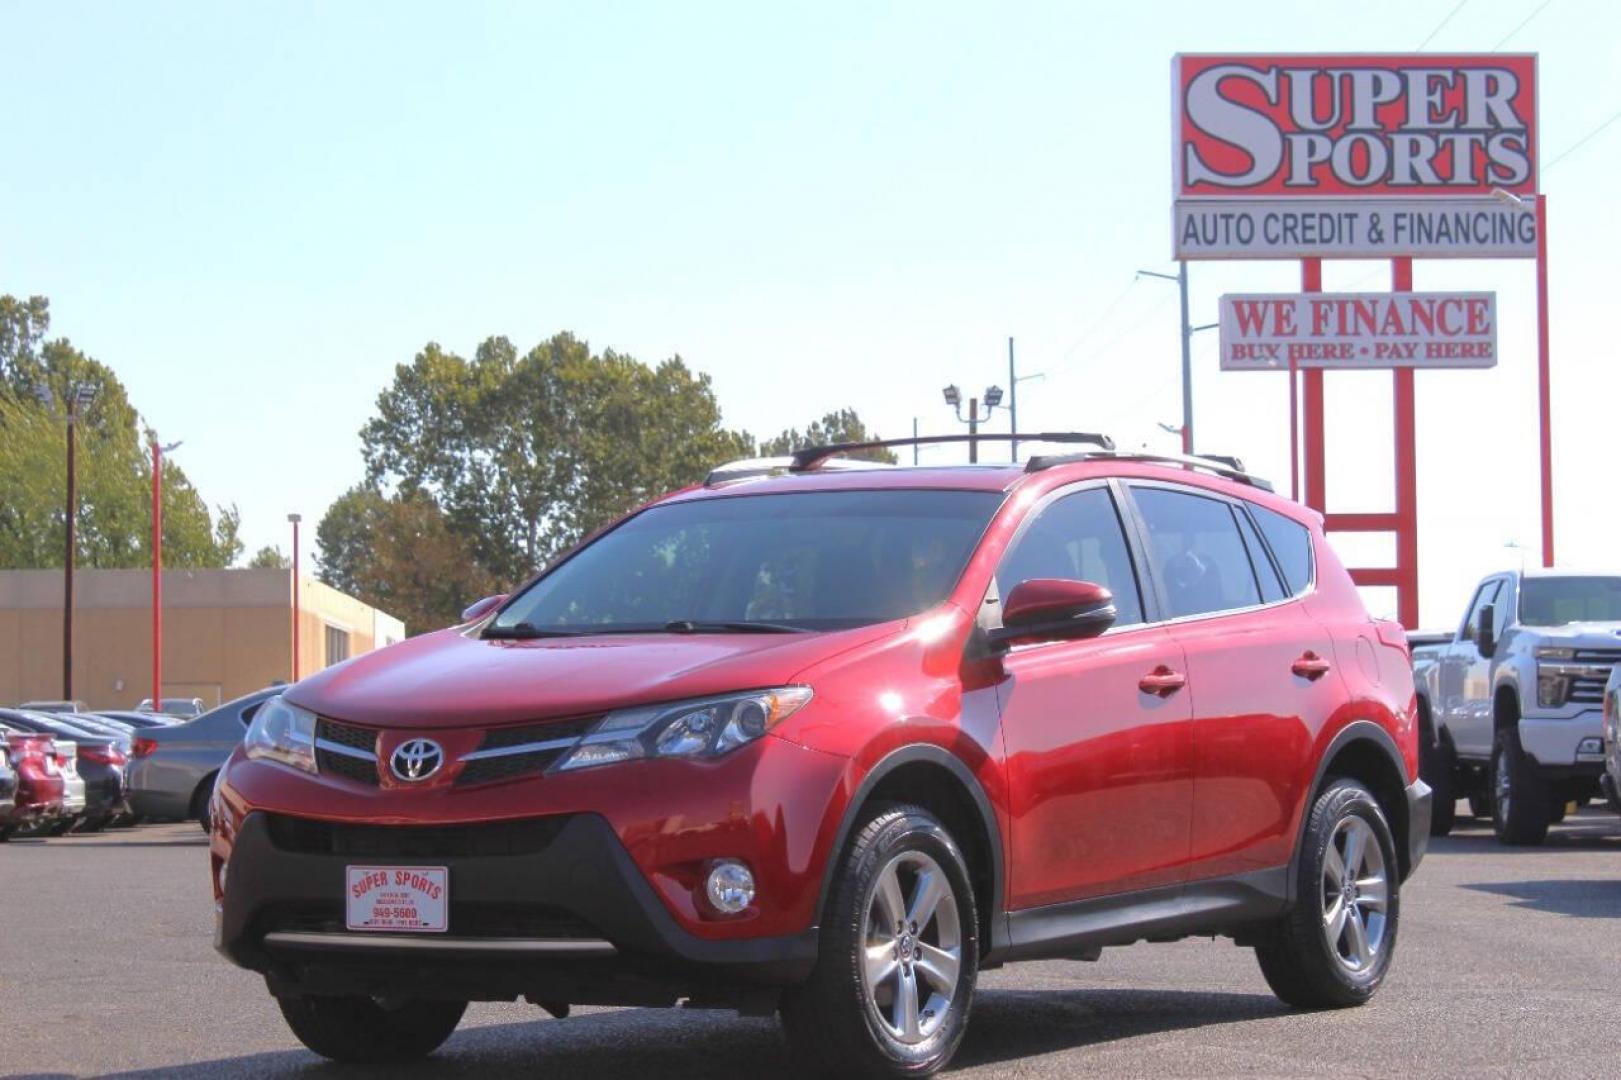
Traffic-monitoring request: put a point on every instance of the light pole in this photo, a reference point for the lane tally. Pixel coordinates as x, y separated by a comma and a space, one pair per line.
295, 519
157, 571
1181, 279
79, 399
993, 398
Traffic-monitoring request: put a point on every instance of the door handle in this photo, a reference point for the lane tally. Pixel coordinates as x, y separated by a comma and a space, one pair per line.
1162, 682
1310, 666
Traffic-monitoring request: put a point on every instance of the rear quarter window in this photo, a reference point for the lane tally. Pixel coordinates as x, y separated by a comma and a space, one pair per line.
1290, 542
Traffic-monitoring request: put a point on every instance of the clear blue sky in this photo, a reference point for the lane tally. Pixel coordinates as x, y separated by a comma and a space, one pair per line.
254, 211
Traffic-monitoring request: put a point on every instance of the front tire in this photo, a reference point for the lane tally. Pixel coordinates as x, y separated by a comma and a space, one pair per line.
1437, 764
362, 1031
898, 959
1520, 806
1335, 945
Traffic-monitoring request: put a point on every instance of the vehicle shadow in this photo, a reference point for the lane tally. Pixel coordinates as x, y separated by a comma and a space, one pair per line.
675, 1045
1592, 829
1599, 899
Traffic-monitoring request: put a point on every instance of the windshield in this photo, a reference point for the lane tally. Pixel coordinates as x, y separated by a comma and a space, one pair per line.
804, 561
1554, 601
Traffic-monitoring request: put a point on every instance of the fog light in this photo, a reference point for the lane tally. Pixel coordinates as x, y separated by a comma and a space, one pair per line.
730, 887
1590, 745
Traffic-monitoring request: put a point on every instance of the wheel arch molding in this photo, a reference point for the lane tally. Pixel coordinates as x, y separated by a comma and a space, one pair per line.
1362, 744
965, 804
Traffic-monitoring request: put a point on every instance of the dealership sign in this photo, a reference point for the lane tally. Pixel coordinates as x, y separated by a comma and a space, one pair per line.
1271, 332
1354, 156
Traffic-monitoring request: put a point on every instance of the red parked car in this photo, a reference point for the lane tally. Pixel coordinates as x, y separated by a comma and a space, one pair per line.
39, 783
832, 741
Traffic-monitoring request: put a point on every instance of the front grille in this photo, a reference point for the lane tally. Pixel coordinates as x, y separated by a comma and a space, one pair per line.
308, 836
1587, 690
1597, 656
465, 920
511, 766
336, 764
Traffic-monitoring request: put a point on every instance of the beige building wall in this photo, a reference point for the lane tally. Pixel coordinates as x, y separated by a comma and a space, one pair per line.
225, 633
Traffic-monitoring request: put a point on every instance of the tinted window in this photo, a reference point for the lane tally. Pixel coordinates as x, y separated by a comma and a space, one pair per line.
1077, 537
1290, 542
818, 560
1559, 600
1487, 594
1196, 552
1271, 588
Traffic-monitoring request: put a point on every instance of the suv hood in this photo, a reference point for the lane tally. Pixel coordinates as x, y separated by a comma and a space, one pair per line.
1584, 635
452, 679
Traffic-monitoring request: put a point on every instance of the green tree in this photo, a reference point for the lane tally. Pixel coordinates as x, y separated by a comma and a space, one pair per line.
114, 471
526, 454
400, 555
843, 426
269, 557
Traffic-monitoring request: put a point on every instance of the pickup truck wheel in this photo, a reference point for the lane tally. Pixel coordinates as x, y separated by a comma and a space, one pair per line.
366, 1031
1334, 946
1480, 805
1436, 767
1520, 805
898, 958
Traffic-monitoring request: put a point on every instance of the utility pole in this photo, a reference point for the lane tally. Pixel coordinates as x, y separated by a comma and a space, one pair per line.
1188, 330
1013, 381
973, 430
914, 443
79, 399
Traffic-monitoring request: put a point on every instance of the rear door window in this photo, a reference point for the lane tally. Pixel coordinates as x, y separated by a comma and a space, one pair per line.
1196, 552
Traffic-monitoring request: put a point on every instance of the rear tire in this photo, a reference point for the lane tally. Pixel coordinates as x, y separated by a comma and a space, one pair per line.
6, 832
199, 802
359, 1030
862, 1013
1520, 802
1437, 765
1480, 805
1335, 945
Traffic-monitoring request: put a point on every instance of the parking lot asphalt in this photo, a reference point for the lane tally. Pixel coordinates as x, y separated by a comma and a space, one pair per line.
1509, 964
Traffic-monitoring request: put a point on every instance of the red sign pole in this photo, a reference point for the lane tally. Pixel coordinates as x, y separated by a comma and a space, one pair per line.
1544, 407
157, 577
1406, 474
1311, 281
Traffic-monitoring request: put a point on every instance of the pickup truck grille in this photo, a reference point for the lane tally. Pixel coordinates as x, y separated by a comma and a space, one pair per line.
1587, 690
1597, 656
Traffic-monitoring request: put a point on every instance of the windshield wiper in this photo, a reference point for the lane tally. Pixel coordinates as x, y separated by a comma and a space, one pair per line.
524, 631
692, 626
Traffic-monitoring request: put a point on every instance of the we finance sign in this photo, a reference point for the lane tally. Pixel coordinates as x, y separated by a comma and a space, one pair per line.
1355, 156
1278, 331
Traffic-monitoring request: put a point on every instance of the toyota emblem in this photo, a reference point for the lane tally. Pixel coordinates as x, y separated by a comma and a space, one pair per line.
416, 759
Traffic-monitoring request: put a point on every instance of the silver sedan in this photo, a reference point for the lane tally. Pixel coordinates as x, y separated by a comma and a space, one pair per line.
172, 768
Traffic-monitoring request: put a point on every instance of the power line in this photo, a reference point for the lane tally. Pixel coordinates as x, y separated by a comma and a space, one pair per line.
1442, 24
1099, 322
1583, 141
1540, 9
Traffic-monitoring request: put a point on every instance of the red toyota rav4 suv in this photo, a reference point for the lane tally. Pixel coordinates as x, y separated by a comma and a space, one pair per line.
832, 741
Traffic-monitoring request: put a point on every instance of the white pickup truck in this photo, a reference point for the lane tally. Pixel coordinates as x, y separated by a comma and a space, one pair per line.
1510, 706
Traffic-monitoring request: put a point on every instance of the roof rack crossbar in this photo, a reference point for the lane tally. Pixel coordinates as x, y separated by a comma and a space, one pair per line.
1222, 465
813, 456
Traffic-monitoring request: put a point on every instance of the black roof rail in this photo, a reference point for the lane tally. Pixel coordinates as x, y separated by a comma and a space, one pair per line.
1230, 468
812, 456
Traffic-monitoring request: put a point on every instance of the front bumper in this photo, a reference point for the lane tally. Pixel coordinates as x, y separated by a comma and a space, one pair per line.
551, 908
1558, 743
1420, 806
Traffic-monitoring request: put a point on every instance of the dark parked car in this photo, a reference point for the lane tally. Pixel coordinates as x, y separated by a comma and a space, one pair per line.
8, 786
40, 784
103, 764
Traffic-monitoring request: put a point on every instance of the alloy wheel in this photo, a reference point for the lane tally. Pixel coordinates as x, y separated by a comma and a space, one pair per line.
912, 937
1356, 894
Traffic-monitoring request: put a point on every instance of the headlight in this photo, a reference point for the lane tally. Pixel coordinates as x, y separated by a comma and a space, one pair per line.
691, 729
283, 732
1555, 652
1552, 688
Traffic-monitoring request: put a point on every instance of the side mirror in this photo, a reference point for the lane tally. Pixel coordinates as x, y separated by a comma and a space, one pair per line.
1054, 609
1485, 631
482, 608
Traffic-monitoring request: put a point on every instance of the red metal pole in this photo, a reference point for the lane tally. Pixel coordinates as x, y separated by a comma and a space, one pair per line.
295, 520
157, 577
1294, 430
1406, 473
1311, 281
1544, 407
